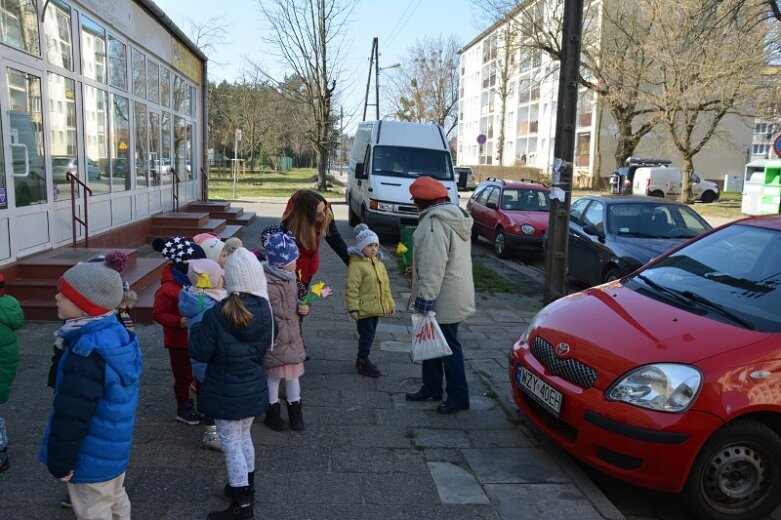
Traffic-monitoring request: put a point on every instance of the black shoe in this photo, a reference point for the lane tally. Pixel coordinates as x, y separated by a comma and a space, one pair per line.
295, 416
185, 413
66, 502
420, 396
274, 418
367, 368
448, 407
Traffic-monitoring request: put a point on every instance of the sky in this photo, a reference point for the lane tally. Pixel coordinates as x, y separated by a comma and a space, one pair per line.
396, 23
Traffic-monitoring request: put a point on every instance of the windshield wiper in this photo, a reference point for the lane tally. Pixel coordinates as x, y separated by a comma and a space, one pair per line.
715, 306
663, 289
640, 234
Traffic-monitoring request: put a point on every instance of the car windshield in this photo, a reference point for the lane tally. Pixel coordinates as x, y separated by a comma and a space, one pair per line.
399, 161
654, 220
525, 199
733, 275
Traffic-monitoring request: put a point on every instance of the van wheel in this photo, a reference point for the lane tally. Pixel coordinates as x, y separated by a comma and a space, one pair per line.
352, 218
737, 474
657, 193
475, 236
708, 197
500, 244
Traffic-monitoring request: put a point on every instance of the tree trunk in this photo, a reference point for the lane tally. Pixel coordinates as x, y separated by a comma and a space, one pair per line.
686, 180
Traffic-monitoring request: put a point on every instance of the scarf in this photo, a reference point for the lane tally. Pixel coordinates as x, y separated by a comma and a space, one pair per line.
279, 273
74, 324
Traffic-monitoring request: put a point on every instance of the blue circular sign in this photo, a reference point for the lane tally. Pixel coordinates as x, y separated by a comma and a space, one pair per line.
481, 139
777, 145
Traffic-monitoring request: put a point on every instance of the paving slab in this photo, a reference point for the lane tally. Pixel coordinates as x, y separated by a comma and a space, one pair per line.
513, 465
455, 485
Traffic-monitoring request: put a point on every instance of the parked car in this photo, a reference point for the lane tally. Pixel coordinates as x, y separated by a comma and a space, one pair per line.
611, 236
512, 214
64, 164
670, 378
621, 180
664, 181
465, 179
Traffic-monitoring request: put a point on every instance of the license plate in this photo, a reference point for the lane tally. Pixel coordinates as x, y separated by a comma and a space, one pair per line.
544, 393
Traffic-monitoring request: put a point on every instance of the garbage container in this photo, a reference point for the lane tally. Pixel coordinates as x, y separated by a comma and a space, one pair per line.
406, 239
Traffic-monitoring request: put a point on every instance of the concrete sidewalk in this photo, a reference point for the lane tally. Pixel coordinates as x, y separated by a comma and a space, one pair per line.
366, 453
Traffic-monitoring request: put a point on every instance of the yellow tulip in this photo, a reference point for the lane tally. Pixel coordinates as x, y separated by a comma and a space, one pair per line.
317, 288
401, 249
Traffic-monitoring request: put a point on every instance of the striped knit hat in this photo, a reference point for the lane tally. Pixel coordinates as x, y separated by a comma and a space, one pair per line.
95, 287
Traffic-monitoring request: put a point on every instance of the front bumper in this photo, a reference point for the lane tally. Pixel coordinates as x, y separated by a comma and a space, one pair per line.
386, 221
528, 242
635, 445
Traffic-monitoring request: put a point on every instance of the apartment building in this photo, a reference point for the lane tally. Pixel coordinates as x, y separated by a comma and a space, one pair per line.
516, 88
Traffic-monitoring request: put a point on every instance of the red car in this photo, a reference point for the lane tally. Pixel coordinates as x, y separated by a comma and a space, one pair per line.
512, 214
670, 378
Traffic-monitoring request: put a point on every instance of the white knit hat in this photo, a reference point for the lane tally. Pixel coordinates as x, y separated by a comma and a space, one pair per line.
365, 236
244, 274
213, 248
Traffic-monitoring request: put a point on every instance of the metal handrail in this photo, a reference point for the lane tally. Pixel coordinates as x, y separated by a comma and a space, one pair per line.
87, 191
204, 186
175, 191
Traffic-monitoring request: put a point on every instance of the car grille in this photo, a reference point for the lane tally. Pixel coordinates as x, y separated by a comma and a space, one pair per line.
406, 209
573, 371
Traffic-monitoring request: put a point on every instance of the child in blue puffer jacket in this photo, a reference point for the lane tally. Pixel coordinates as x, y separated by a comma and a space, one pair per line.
90, 432
205, 275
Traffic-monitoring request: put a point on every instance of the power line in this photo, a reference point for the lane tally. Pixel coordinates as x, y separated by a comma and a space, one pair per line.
393, 36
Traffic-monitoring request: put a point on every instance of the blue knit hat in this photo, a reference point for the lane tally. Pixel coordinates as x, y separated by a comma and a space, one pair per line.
281, 249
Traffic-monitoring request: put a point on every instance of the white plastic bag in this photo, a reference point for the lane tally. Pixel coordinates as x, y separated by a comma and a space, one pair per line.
428, 342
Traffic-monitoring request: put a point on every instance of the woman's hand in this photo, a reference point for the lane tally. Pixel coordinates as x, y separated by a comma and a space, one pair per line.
66, 478
303, 310
354, 315
392, 312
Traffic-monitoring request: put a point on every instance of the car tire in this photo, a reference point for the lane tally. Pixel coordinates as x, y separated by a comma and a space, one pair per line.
500, 244
352, 218
657, 193
475, 236
708, 197
610, 274
737, 473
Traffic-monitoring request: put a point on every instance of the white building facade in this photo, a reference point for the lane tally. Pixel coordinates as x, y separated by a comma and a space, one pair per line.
531, 106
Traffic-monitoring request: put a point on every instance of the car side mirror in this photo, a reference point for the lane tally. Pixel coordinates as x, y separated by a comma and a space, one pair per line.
491, 205
591, 229
359, 172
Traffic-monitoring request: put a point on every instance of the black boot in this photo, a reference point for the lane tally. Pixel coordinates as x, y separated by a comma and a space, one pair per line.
250, 478
295, 416
274, 418
367, 368
242, 506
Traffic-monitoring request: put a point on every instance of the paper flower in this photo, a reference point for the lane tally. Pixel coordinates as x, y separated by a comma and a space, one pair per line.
401, 249
318, 290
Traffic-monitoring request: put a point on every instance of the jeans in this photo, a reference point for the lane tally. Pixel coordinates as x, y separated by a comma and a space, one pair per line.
367, 328
452, 367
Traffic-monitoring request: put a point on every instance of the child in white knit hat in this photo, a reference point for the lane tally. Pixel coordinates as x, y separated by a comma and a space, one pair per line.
368, 294
232, 339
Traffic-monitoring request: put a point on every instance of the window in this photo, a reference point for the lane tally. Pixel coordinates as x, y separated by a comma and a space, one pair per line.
155, 163
93, 50
152, 85
57, 29
19, 22
576, 210
165, 87
483, 197
120, 120
117, 63
179, 94
493, 197
96, 137
26, 143
142, 167
165, 148
594, 216
139, 73
583, 150
62, 132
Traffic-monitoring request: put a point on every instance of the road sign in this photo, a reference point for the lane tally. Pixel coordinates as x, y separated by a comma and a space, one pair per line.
777, 145
122, 145
481, 139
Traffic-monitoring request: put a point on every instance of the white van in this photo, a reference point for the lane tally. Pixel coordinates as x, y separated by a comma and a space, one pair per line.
386, 157
665, 181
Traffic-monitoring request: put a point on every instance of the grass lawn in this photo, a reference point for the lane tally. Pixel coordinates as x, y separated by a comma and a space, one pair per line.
267, 184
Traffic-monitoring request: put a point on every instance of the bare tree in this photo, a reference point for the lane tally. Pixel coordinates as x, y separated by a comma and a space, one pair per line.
425, 89
208, 35
308, 35
694, 88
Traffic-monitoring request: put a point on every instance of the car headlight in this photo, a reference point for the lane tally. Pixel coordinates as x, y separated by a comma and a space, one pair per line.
528, 229
525, 335
665, 387
384, 206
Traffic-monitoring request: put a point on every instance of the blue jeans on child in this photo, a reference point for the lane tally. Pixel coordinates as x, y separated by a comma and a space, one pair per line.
452, 367
367, 328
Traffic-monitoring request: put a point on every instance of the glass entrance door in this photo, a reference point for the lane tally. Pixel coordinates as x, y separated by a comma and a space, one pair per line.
25, 145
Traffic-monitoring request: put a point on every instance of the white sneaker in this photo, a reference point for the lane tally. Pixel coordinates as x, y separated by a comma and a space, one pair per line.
210, 439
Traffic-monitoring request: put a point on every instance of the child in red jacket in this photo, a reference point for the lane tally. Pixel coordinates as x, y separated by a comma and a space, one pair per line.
166, 312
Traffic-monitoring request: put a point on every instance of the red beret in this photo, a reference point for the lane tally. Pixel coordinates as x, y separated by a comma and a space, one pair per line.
427, 188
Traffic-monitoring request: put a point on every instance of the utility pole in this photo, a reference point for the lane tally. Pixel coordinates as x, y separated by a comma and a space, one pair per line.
372, 64
563, 153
